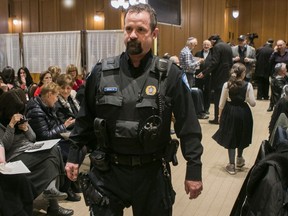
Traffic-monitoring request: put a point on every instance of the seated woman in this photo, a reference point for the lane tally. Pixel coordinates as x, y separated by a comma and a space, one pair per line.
72, 70
16, 192
55, 71
8, 77
66, 106
45, 78
17, 136
47, 125
24, 79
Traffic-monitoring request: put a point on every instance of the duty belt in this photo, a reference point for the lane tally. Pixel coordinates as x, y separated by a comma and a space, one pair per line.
134, 160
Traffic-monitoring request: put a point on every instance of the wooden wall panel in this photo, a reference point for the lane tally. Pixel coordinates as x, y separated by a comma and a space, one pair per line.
89, 11
48, 16
113, 18
266, 29
200, 18
280, 19
265, 17
34, 16
4, 16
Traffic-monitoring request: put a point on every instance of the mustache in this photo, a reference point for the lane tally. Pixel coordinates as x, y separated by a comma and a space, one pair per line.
133, 43
134, 47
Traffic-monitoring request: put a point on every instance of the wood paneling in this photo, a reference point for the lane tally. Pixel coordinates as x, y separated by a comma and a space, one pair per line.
200, 18
264, 17
4, 16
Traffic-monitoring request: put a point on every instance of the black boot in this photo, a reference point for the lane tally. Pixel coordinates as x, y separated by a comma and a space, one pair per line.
72, 196
60, 211
76, 187
270, 109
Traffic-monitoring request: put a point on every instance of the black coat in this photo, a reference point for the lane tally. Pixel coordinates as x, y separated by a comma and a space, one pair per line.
63, 112
281, 107
263, 66
221, 63
44, 120
206, 62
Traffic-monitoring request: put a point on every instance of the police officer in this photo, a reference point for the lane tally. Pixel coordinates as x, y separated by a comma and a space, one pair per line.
132, 96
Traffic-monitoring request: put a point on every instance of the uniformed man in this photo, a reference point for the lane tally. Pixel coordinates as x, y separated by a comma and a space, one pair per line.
126, 116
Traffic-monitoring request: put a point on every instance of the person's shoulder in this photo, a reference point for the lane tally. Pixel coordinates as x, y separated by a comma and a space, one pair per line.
251, 47
175, 70
199, 53
33, 103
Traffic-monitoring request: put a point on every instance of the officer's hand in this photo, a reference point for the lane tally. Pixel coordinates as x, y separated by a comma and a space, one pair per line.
72, 171
193, 188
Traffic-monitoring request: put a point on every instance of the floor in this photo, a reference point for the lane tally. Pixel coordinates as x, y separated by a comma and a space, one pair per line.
220, 188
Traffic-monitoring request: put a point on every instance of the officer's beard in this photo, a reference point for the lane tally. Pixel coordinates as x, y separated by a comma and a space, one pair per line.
134, 47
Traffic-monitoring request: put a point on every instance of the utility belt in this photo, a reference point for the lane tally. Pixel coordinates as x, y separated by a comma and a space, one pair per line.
101, 159
134, 160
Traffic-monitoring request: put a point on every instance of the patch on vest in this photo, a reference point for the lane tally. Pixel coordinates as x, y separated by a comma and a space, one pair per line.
110, 89
150, 90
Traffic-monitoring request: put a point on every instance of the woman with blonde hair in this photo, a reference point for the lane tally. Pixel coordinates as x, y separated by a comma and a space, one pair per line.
72, 70
55, 72
46, 124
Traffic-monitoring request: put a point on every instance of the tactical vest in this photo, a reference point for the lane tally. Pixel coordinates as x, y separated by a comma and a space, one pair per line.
126, 103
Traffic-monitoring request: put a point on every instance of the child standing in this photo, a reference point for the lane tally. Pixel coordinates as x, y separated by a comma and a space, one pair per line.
236, 121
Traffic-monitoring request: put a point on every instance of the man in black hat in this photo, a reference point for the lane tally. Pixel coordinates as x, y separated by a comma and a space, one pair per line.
219, 68
245, 54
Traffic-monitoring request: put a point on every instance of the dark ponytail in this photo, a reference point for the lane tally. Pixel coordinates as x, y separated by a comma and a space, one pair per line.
236, 72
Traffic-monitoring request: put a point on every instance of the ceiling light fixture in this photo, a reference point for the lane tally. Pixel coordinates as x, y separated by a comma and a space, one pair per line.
235, 13
125, 3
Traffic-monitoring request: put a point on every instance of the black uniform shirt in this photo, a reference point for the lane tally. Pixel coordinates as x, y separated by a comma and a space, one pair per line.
187, 126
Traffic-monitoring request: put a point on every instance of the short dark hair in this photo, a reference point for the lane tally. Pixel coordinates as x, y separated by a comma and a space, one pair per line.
144, 7
8, 75
215, 37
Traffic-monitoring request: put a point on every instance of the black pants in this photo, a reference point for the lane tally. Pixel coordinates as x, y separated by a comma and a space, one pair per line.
263, 88
145, 188
205, 85
197, 96
16, 195
216, 98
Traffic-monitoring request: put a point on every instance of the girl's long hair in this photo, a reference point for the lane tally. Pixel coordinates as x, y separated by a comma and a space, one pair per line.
235, 80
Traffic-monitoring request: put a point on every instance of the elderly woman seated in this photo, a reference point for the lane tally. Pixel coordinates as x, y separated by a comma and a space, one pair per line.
47, 125
47, 168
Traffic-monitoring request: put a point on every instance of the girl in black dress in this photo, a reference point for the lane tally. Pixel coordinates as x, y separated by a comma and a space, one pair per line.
236, 121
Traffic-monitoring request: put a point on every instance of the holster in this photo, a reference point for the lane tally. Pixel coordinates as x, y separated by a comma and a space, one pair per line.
99, 160
171, 152
91, 195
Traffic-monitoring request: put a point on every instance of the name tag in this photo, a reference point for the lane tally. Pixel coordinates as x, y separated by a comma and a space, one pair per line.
110, 89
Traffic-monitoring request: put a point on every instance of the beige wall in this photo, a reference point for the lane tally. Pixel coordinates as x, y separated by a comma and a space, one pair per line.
200, 18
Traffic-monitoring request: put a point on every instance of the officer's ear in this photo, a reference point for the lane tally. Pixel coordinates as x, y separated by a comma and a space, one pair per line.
155, 33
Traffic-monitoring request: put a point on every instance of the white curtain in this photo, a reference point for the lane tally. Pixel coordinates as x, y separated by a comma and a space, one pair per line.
10, 51
102, 44
43, 49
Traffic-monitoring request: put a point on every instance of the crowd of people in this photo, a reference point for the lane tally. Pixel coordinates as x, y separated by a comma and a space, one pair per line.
125, 118
43, 113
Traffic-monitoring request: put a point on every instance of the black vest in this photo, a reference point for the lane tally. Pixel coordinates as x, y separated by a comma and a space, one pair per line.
126, 103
